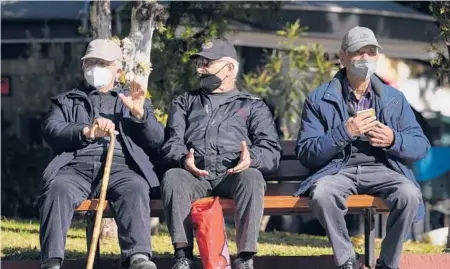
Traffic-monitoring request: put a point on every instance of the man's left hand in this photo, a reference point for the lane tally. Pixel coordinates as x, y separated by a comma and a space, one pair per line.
244, 162
135, 101
381, 136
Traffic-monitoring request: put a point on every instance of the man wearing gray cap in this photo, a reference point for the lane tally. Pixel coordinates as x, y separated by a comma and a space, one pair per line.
74, 174
219, 141
357, 136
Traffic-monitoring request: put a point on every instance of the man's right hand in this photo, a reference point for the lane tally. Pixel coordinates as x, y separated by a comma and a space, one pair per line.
104, 127
360, 124
189, 164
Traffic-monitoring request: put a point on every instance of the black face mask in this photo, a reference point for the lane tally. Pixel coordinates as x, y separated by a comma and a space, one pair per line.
210, 82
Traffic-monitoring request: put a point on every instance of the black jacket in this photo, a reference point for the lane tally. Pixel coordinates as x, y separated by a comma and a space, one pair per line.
71, 111
216, 136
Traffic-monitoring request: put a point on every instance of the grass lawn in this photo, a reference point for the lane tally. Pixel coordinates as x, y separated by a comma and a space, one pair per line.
20, 240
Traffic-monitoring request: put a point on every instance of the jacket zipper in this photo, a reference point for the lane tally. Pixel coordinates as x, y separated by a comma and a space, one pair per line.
212, 117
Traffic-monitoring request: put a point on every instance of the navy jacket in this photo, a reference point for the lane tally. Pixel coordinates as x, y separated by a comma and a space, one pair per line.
71, 111
324, 145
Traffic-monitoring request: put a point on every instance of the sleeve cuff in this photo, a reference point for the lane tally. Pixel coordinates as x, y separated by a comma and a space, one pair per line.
397, 146
84, 140
252, 158
144, 118
181, 161
341, 135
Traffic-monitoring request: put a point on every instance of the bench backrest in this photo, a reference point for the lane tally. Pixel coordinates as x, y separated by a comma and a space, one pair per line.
285, 180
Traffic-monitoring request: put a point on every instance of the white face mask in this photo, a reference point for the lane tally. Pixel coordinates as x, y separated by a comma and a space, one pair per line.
97, 76
363, 68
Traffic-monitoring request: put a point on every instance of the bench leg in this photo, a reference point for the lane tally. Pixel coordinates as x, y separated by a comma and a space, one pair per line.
369, 237
90, 221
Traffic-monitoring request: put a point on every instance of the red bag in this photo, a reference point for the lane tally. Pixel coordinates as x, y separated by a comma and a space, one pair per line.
210, 233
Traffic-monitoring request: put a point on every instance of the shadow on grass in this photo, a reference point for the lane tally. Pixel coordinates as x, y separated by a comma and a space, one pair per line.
287, 239
27, 253
33, 231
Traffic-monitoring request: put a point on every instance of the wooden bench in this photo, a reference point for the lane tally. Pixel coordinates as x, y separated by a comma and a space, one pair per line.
278, 200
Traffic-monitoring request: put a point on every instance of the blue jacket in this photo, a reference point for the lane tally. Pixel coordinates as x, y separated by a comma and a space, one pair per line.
324, 145
71, 111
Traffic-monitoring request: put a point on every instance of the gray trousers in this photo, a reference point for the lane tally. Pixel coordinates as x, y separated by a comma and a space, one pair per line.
180, 188
128, 192
328, 202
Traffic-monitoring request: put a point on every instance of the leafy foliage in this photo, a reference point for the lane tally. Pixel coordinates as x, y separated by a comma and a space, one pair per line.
441, 11
173, 73
288, 75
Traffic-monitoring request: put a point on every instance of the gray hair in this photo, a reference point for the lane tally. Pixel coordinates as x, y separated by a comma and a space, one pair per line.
234, 63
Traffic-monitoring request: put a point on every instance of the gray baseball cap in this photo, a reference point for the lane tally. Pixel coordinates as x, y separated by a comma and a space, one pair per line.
216, 49
103, 49
357, 38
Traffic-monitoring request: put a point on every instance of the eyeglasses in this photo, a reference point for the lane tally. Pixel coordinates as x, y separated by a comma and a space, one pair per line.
371, 51
203, 62
99, 62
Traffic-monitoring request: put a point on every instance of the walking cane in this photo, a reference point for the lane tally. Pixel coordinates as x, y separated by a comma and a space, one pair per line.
101, 202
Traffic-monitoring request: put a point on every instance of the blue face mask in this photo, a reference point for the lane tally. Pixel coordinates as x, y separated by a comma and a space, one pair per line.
363, 69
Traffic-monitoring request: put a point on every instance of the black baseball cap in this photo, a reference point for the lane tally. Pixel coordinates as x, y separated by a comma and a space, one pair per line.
215, 49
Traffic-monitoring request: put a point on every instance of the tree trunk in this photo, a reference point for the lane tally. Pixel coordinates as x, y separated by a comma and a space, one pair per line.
136, 50
137, 46
100, 16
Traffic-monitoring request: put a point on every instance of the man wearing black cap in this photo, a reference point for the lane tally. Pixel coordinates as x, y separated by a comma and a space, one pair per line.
357, 135
75, 172
219, 141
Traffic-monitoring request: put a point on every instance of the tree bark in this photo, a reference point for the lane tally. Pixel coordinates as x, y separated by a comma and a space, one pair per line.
137, 46
100, 17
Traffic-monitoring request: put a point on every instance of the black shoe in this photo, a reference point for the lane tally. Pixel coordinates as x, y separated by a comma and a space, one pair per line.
184, 263
243, 264
51, 267
352, 263
382, 265
143, 264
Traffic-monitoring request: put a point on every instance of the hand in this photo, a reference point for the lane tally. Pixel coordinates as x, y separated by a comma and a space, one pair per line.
104, 127
360, 124
381, 136
135, 101
244, 162
189, 164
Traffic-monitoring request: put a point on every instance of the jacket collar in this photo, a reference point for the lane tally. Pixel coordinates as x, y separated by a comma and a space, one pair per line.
243, 94
334, 91
83, 90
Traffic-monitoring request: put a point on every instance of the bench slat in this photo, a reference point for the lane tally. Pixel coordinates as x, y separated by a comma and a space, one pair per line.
278, 204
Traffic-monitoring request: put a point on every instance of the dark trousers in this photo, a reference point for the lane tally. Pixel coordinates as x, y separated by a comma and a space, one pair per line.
128, 193
180, 188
